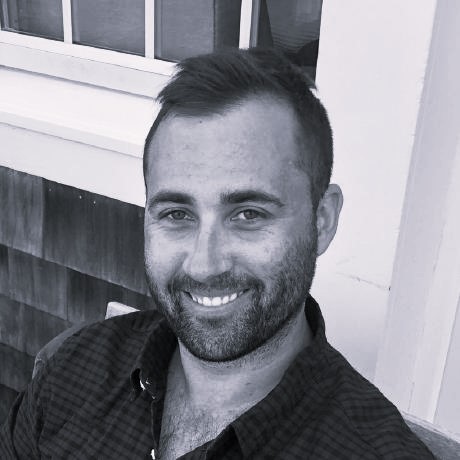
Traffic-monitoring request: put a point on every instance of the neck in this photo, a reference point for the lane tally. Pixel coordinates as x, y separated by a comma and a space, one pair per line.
243, 382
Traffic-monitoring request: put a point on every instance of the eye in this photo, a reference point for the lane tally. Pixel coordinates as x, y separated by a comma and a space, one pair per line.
248, 215
178, 214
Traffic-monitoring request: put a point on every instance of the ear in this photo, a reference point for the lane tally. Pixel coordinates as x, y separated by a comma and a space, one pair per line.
327, 216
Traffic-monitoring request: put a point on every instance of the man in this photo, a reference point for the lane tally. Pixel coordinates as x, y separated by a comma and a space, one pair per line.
237, 168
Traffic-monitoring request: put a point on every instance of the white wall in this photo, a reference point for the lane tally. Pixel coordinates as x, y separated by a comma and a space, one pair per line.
421, 339
371, 69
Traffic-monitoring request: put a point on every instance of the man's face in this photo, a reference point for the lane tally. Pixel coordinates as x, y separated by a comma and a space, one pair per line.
230, 235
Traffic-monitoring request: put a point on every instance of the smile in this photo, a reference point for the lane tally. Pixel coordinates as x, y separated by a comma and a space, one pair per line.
215, 301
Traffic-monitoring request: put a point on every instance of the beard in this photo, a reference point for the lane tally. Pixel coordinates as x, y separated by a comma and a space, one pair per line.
272, 303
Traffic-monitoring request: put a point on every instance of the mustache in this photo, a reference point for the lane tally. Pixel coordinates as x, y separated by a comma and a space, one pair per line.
227, 280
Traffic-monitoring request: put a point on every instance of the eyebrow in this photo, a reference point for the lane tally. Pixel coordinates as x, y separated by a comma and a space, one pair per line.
169, 196
235, 197
242, 196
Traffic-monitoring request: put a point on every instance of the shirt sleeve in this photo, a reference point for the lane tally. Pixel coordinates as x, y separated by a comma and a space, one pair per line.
20, 432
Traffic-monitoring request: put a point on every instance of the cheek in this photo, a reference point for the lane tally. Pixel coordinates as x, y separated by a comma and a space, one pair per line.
279, 251
260, 259
162, 258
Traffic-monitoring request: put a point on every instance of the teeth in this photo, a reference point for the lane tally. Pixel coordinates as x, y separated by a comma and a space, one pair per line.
207, 302
215, 301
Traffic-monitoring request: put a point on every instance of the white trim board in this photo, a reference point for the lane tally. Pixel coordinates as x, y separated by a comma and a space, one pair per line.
425, 281
103, 118
83, 166
84, 64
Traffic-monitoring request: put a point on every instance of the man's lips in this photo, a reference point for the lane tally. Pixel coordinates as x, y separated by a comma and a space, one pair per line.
215, 301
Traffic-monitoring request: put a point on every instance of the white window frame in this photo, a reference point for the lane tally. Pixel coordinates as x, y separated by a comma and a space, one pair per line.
102, 105
101, 67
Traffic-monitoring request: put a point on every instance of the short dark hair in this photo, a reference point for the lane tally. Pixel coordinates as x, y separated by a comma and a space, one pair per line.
213, 83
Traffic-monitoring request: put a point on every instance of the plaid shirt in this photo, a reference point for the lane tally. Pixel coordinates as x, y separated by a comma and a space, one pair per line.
101, 397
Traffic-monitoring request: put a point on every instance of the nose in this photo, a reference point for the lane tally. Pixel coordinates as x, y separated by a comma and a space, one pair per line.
208, 256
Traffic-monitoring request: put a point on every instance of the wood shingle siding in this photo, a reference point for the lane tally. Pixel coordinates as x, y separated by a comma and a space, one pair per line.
22, 206
26, 328
16, 367
95, 235
38, 283
64, 254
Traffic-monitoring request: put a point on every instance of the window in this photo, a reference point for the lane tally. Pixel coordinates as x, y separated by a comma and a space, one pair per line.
147, 35
290, 25
42, 18
117, 25
183, 28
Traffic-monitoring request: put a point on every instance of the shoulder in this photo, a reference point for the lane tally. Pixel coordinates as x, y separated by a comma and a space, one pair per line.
85, 380
97, 353
91, 365
107, 341
365, 414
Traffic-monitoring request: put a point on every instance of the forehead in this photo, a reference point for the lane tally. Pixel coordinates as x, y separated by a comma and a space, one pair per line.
254, 144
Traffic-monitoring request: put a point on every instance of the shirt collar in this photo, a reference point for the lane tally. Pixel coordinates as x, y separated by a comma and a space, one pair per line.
151, 367
150, 372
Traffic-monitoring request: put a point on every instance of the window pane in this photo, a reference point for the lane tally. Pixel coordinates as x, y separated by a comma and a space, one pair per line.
185, 28
292, 26
42, 18
112, 24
